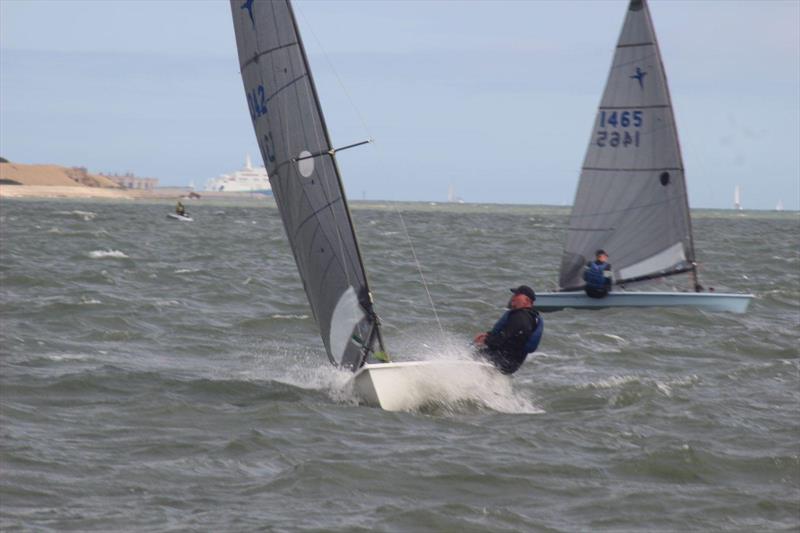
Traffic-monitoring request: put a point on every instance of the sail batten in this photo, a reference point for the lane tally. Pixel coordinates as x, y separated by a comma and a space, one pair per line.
631, 198
654, 106
633, 45
255, 57
293, 138
618, 169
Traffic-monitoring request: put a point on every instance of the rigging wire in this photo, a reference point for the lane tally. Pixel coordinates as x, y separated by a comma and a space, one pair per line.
381, 158
419, 269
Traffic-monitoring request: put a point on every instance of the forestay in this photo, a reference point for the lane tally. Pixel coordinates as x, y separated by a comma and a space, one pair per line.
631, 199
298, 155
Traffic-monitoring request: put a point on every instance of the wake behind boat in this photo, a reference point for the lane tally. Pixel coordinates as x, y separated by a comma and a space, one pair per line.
301, 163
632, 198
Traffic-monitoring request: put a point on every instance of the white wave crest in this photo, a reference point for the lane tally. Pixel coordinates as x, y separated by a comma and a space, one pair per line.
289, 317
83, 215
614, 381
664, 386
166, 303
67, 357
102, 254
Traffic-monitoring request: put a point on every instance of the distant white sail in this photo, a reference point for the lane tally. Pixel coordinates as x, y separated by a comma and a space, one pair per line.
737, 198
452, 197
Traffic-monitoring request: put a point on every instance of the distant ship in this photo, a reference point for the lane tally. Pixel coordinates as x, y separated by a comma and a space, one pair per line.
248, 179
451, 195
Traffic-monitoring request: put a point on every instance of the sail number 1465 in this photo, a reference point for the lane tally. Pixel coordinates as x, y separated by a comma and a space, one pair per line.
614, 128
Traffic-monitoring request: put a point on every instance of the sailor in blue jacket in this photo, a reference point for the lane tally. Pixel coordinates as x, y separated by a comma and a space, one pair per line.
515, 335
598, 276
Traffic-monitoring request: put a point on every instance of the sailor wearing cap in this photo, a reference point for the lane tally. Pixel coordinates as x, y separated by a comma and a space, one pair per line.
515, 335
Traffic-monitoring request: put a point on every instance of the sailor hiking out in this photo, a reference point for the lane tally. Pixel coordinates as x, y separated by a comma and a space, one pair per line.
516, 334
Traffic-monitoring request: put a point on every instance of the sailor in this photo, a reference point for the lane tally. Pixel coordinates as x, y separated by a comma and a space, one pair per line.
598, 276
180, 210
515, 335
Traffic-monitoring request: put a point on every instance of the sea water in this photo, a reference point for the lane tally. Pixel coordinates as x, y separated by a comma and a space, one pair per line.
165, 376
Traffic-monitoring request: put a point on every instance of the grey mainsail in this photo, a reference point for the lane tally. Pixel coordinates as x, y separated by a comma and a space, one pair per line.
631, 198
297, 152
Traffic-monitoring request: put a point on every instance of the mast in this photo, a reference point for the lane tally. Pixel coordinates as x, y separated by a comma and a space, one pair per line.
692, 257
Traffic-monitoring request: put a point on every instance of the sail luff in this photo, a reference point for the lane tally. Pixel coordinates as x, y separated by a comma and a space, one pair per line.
691, 257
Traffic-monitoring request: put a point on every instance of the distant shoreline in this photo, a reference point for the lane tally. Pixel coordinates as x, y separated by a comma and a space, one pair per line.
79, 191
61, 191
22, 180
171, 194
83, 192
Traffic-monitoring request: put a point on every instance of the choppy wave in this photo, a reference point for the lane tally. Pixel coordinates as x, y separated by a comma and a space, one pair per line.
103, 254
279, 316
86, 216
189, 388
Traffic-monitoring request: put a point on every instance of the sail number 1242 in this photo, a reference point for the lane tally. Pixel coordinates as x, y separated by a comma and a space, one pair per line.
619, 128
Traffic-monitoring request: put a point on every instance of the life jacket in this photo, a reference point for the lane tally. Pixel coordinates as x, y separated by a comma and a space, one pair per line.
535, 337
593, 275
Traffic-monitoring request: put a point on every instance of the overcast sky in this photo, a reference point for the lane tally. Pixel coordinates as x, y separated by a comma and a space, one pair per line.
495, 98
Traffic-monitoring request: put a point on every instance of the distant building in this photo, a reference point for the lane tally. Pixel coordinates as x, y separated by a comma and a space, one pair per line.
129, 181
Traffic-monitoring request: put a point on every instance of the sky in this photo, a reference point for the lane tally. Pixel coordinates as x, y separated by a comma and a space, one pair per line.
494, 98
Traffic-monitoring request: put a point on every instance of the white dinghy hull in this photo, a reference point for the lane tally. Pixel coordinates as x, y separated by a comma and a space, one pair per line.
175, 216
707, 301
408, 385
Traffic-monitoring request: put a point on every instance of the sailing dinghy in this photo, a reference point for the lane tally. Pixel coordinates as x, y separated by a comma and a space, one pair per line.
181, 218
301, 164
632, 199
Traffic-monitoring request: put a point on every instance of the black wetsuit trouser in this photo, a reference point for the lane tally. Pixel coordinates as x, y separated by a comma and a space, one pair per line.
593, 292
